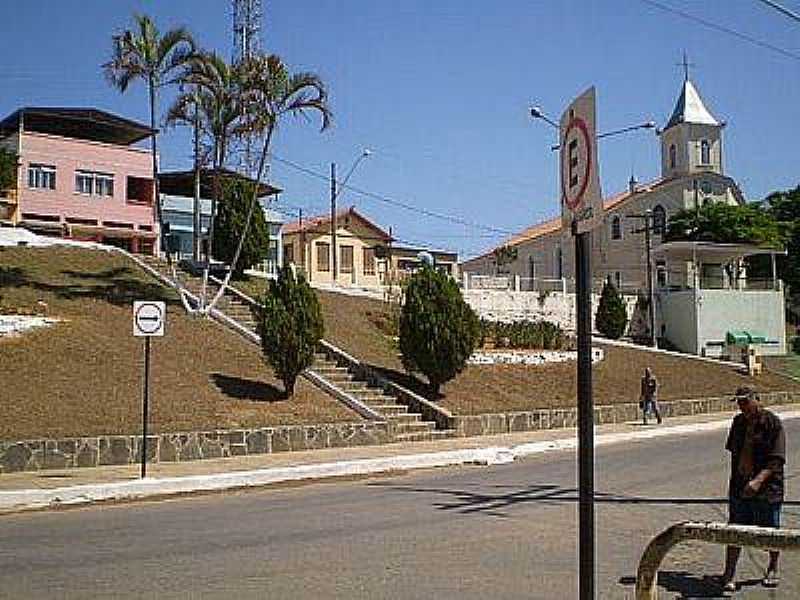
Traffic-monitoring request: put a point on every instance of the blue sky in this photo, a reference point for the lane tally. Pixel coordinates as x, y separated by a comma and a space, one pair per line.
439, 90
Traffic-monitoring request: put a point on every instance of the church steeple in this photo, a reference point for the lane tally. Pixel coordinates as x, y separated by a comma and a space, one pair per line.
691, 141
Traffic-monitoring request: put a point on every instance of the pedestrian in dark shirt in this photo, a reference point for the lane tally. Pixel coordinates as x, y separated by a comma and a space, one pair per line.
757, 444
648, 396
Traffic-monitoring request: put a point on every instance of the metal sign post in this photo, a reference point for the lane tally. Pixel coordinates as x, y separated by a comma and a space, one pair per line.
581, 210
148, 321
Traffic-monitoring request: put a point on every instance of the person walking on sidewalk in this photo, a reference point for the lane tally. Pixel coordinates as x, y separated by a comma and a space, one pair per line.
757, 444
648, 397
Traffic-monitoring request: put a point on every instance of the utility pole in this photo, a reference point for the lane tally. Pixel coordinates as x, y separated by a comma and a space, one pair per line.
333, 220
649, 225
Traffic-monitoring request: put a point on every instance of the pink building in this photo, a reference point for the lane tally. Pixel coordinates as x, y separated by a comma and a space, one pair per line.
81, 176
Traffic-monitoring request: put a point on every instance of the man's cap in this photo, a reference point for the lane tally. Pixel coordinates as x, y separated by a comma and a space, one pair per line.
744, 393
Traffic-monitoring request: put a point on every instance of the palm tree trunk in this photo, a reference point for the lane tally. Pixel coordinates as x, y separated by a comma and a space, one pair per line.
154, 136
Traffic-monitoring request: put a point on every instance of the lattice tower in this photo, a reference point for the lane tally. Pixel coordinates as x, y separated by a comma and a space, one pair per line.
247, 17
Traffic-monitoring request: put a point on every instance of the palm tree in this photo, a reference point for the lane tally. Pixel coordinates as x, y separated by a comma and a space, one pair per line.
215, 102
270, 93
158, 60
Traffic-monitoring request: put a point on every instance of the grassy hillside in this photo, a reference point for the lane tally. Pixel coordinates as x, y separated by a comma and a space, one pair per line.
357, 325
83, 375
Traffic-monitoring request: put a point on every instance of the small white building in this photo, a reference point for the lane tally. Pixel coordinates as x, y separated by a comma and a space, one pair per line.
697, 313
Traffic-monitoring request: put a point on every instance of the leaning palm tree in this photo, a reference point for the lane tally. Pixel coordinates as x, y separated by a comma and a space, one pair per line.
143, 53
269, 94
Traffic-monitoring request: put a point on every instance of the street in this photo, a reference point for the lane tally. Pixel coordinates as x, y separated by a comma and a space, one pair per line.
474, 532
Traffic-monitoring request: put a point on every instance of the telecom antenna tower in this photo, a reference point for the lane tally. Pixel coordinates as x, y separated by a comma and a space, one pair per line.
246, 28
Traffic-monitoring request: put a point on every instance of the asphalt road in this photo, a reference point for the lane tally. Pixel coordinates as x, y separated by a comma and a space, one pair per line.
474, 532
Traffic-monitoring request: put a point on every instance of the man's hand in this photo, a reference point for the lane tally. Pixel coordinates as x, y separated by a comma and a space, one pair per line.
752, 488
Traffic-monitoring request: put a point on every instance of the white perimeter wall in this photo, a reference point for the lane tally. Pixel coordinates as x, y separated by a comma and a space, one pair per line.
508, 306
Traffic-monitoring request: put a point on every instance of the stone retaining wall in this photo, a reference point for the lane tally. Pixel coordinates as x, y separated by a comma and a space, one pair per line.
555, 418
33, 455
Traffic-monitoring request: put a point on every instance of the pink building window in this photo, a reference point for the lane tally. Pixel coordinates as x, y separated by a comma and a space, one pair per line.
140, 190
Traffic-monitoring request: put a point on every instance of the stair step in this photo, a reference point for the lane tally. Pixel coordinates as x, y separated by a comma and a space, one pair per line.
415, 426
405, 418
423, 436
389, 409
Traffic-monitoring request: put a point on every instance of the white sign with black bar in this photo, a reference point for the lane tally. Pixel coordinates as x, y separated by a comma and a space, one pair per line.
149, 318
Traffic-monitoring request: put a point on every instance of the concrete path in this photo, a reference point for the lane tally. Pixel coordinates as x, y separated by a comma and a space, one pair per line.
56, 488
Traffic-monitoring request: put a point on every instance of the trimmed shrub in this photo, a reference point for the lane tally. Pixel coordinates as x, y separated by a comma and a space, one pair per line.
438, 330
291, 326
611, 318
528, 335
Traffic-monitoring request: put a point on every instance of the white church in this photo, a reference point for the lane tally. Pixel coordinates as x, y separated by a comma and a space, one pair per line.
699, 298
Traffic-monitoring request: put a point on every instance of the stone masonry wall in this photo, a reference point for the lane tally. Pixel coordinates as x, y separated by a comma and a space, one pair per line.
555, 418
32, 455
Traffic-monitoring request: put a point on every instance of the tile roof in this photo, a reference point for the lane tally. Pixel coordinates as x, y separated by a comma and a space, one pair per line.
316, 222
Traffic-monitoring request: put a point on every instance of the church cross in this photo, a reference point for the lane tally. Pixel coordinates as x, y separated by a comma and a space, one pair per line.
686, 64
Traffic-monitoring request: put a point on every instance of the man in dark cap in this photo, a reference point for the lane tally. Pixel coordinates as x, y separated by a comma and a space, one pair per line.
757, 444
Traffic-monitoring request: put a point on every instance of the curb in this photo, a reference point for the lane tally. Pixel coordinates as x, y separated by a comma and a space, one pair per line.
33, 499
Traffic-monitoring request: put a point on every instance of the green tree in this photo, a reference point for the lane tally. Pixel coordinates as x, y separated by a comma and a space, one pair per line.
9, 165
143, 53
504, 255
438, 330
726, 223
230, 223
291, 326
784, 207
611, 318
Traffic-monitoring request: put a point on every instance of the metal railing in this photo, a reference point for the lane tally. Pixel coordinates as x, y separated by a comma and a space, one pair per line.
785, 540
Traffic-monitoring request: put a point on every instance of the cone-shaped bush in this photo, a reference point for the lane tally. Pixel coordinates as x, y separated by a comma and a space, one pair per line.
611, 317
291, 326
438, 330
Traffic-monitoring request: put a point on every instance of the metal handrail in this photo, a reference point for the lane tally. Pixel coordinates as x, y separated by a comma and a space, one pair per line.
787, 540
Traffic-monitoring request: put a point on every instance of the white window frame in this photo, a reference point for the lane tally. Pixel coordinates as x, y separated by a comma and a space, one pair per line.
81, 178
106, 178
41, 177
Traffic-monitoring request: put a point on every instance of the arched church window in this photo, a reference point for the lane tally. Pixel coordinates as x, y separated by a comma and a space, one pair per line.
673, 156
616, 228
659, 220
705, 153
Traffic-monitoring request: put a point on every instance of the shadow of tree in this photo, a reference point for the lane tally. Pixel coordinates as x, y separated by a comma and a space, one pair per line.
12, 277
247, 389
118, 286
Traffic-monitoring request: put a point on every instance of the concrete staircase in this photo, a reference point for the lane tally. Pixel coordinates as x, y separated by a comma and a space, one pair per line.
405, 426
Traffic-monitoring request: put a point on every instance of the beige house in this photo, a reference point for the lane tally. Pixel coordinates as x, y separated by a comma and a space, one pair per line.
365, 253
691, 175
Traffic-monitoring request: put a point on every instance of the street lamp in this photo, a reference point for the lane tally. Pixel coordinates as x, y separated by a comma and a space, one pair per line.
537, 113
334, 195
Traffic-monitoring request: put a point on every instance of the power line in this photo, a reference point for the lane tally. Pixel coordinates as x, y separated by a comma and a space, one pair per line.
781, 9
393, 202
723, 29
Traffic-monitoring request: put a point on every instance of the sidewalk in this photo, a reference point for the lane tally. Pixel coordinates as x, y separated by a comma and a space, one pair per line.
42, 489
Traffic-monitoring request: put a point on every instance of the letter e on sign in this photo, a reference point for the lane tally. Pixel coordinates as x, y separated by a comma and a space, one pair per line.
581, 199
149, 318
